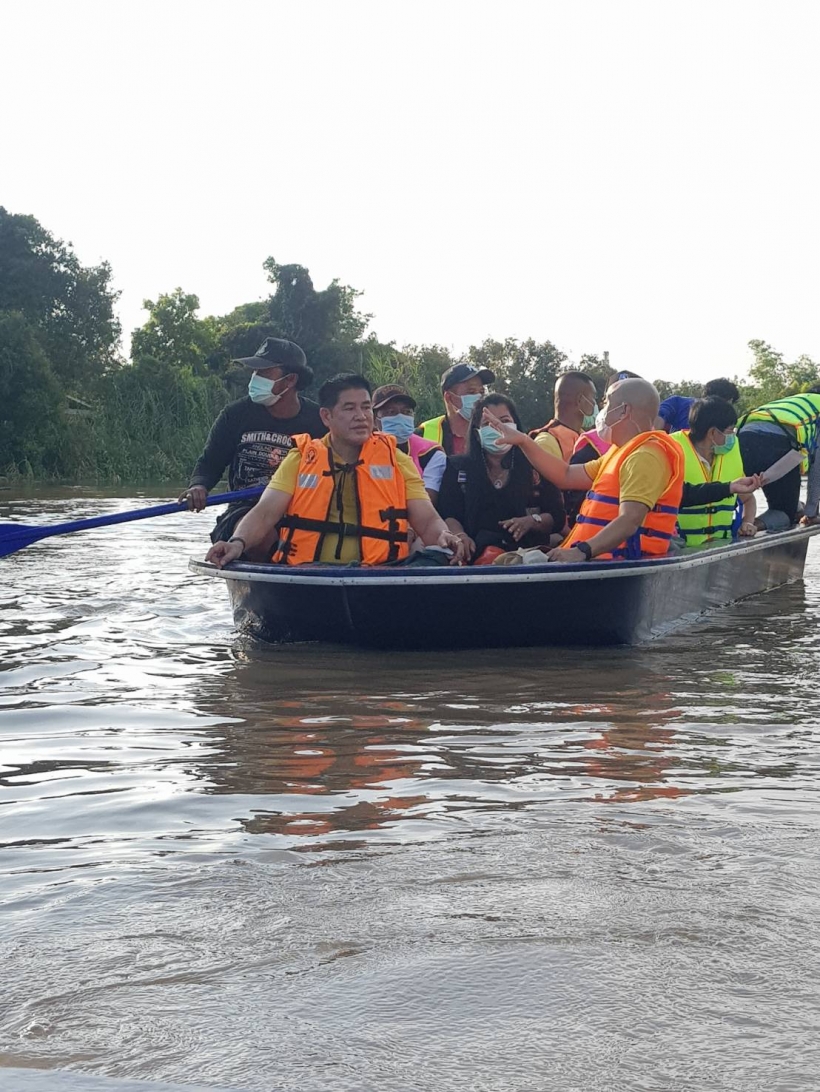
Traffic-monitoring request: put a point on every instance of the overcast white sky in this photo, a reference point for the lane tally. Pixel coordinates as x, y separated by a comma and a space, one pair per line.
624, 175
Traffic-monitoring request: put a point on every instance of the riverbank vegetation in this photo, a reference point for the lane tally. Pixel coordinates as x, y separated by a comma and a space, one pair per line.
73, 408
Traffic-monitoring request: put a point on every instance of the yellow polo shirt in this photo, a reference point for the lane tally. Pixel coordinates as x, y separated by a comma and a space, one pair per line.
644, 476
548, 442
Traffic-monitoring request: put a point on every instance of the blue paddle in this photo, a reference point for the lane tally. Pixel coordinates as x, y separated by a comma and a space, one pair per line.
14, 536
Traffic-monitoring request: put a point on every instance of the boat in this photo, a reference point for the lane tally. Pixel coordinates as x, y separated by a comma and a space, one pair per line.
591, 603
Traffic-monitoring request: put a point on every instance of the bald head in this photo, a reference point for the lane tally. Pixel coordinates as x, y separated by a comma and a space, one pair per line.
638, 393
638, 401
570, 384
575, 399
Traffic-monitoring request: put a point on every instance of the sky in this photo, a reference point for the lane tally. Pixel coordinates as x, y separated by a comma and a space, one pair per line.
630, 176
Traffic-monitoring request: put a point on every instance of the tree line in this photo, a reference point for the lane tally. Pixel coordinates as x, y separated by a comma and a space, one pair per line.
72, 407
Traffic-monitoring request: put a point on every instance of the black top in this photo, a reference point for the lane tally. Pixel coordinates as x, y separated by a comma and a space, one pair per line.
696, 494
479, 506
253, 442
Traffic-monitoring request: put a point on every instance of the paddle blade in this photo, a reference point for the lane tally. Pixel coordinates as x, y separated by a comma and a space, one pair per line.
14, 536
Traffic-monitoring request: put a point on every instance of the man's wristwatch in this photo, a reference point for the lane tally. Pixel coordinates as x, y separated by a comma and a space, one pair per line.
536, 516
585, 549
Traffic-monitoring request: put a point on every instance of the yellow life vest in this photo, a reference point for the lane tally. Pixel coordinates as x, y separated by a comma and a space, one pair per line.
711, 521
433, 429
798, 416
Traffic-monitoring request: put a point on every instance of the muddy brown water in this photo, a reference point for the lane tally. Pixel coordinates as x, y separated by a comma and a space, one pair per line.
242, 866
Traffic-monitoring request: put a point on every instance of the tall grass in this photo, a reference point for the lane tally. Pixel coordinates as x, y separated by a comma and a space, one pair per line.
136, 432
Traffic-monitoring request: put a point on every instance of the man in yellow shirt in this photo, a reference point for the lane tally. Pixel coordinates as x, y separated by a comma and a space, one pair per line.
346, 409
629, 411
575, 408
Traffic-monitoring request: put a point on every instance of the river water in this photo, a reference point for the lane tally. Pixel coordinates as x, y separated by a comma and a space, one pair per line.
276, 868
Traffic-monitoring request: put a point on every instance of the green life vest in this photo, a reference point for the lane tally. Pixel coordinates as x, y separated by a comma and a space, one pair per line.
798, 416
433, 429
712, 521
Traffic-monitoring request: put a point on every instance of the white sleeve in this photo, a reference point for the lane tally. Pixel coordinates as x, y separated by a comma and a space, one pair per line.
434, 471
813, 487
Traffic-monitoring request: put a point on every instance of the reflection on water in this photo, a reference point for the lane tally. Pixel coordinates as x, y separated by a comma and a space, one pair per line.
307, 867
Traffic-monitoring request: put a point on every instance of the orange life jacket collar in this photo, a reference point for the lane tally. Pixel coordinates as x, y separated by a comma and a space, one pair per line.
565, 436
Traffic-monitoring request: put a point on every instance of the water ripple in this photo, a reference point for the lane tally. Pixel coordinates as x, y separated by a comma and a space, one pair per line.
261, 867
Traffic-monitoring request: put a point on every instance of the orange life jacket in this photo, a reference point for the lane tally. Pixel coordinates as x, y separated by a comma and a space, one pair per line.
381, 505
565, 436
601, 503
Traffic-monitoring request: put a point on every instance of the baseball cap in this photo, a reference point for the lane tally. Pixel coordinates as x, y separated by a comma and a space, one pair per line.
275, 352
460, 373
382, 395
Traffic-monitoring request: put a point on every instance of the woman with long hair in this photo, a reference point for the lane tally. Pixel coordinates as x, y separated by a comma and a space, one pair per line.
491, 496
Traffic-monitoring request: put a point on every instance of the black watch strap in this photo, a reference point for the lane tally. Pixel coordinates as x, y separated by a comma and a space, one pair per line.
585, 549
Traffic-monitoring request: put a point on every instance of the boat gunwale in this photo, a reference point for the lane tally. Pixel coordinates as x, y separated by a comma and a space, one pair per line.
548, 572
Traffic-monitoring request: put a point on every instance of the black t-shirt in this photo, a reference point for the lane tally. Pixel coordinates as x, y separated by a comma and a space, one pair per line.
252, 443
479, 506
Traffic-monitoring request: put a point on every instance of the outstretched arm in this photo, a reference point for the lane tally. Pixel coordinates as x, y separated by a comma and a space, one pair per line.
548, 466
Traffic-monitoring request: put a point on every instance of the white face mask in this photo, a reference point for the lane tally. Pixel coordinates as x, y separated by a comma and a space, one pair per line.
261, 390
603, 429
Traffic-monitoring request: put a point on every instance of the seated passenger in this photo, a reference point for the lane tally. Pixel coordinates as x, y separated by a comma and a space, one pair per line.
393, 411
632, 506
772, 431
492, 497
712, 454
576, 405
461, 387
348, 497
589, 446
674, 412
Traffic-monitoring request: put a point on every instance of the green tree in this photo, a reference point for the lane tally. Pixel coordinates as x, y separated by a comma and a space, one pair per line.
175, 335
772, 377
326, 323
526, 371
31, 399
68, 305
416, 367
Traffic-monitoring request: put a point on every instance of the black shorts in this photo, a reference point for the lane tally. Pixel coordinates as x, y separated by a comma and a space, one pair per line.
759, 451
226, 524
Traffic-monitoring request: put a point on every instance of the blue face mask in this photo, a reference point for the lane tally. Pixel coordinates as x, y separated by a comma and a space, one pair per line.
400, 425
467, 406
489, 437
261, 390
727, 445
